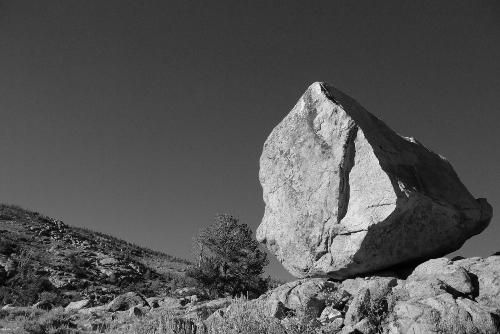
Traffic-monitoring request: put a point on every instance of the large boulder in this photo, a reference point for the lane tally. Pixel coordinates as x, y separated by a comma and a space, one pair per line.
346, 195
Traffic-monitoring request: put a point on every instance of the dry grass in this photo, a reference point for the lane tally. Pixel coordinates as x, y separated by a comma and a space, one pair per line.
244, 317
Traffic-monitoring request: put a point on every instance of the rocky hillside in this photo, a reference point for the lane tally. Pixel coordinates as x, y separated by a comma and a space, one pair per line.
44, 260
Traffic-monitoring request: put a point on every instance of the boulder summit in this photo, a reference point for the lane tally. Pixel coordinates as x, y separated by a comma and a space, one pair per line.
346, 195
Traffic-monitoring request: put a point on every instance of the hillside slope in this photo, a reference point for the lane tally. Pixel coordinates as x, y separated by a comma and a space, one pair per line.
45, 260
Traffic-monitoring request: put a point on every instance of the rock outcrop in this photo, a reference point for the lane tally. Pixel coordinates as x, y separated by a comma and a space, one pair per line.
439, 296
346, 195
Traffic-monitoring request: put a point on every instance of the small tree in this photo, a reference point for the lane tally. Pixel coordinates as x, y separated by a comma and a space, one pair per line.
230, 261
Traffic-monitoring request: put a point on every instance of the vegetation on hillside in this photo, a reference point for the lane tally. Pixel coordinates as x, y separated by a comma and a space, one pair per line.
45, 260
47, 263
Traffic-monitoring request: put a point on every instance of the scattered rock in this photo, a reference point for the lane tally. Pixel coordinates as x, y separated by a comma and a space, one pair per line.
329, 314
333, 327
93, 310
337, 298
346, 195
169, 303
154, 302
451, 274
75, 306
135, 311
365, 327
348, 330
43, 305
305, 295
277, 309
441, 314
376, 285
193, 298
185, 292
203, 311
485, 275
126, 301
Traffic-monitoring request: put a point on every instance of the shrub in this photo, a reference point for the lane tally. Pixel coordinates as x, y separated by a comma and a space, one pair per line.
7, 247
78, 265
52, 298
24, 288
53, 322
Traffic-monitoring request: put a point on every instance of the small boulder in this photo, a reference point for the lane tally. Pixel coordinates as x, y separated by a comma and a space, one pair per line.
187, 291
170, 303
93, 310
365, 327
306, 294
348, 329
277, 309
440, 314
378, 286
75, 306
421, 288
126, 301
485, 272
451, 274
332, 327
135, 311
43, 305
204, 310
154, 302
329, 314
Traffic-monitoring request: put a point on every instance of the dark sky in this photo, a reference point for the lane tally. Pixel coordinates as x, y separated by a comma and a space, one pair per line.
144, 119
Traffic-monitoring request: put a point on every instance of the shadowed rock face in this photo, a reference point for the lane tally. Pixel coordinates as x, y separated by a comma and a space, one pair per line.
346, 195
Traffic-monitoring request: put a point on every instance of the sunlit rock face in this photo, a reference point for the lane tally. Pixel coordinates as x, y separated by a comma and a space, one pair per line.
346, 195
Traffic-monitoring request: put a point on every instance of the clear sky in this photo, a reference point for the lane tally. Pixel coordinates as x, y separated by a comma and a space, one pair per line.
143, 119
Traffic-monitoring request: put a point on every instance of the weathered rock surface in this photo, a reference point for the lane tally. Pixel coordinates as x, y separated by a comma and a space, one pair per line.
485, 275
346, 195
78, 305
441, 314
435, 298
